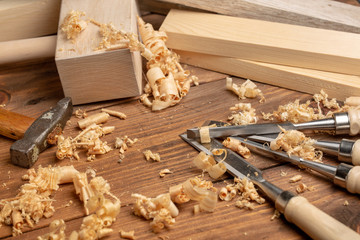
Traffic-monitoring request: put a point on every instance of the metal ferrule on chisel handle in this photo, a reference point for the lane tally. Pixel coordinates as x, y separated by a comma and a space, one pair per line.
339, 123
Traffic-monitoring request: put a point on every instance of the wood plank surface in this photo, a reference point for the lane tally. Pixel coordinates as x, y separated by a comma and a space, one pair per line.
320, 14
32, 87
263, 41
23, 19
311, 81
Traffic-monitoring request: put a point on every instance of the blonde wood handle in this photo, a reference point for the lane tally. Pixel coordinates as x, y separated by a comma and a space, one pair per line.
315, 222
27, 49
355, 153
353, 180
354, 119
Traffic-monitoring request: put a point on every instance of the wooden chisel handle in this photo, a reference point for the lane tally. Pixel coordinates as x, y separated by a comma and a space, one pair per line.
315, 222
353, 180
355, 153
354, 119
13, 125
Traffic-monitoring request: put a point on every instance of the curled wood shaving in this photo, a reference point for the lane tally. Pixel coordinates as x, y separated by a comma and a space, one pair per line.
207, 163
57, 231
150, 155
246, 90
246, 191
161, 210
294, 142
79, 113
295, 178
127, 235
73, 25
165, 171
301, 188
242, 114
177, 194
168, 82
276, 214
114, 113
237, 146
88, 139
123, 144
95, 118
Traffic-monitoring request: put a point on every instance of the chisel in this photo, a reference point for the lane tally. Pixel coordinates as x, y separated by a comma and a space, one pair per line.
296, 209
341, 123
346, 150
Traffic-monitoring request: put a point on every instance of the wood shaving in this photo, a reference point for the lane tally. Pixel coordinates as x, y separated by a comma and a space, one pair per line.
161, 210
73, 25
79, 113
57, 231
276, 214
177, 194
95, 118
123, 144
246, 90
204, 134
294, 142
168, 82
301, 188
114, 113
346, 203
295, 179
246, 191
150, 155
163, 172
34, 201
242, 114
127, 235
208, 164
237, 146
283, 174
88, 139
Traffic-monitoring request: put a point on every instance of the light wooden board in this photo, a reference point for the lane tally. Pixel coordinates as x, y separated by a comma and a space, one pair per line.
310, 81
263, 41
21, 19
88, 75
320, 13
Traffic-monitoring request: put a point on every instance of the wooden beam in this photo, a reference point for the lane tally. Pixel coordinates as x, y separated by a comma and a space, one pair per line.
324, 14
21, 19
88, 75
310, 81
263, 41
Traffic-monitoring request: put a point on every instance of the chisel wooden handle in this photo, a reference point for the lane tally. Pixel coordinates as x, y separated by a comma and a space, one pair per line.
355, 153
315, 222
354, 119
353, 180
13, 125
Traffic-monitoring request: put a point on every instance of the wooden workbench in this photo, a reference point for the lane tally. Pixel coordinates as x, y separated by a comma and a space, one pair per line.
31, 88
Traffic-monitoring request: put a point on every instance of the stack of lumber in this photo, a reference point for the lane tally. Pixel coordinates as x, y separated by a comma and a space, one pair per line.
291, 56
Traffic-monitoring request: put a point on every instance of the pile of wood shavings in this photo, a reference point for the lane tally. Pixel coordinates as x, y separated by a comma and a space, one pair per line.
246, 191
162, 209
73, 25
296, 112
242, 114
246, 90
168, 82
123, 143
294, 142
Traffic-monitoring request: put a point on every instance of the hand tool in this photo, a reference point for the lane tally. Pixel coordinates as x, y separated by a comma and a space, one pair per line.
344, 175
346, 150
341, 123
25, 151
296, 209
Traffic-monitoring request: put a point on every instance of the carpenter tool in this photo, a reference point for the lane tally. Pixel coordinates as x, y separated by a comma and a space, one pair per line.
341, 123
343, 175
296, 209
346, 150
33, 135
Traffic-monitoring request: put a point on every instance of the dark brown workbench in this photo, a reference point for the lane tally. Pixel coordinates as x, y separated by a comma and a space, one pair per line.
33, 87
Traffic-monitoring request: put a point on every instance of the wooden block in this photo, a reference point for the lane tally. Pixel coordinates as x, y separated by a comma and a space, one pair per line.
310, 81
21, 19
324, 14
90, 76
263, 41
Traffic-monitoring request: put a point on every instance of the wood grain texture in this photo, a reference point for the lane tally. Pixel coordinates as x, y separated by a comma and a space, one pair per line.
22, 19
310, 81
263, 41
88, 75
324, 14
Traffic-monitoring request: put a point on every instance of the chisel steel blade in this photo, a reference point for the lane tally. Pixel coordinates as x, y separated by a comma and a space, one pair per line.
235, 165
243, 130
